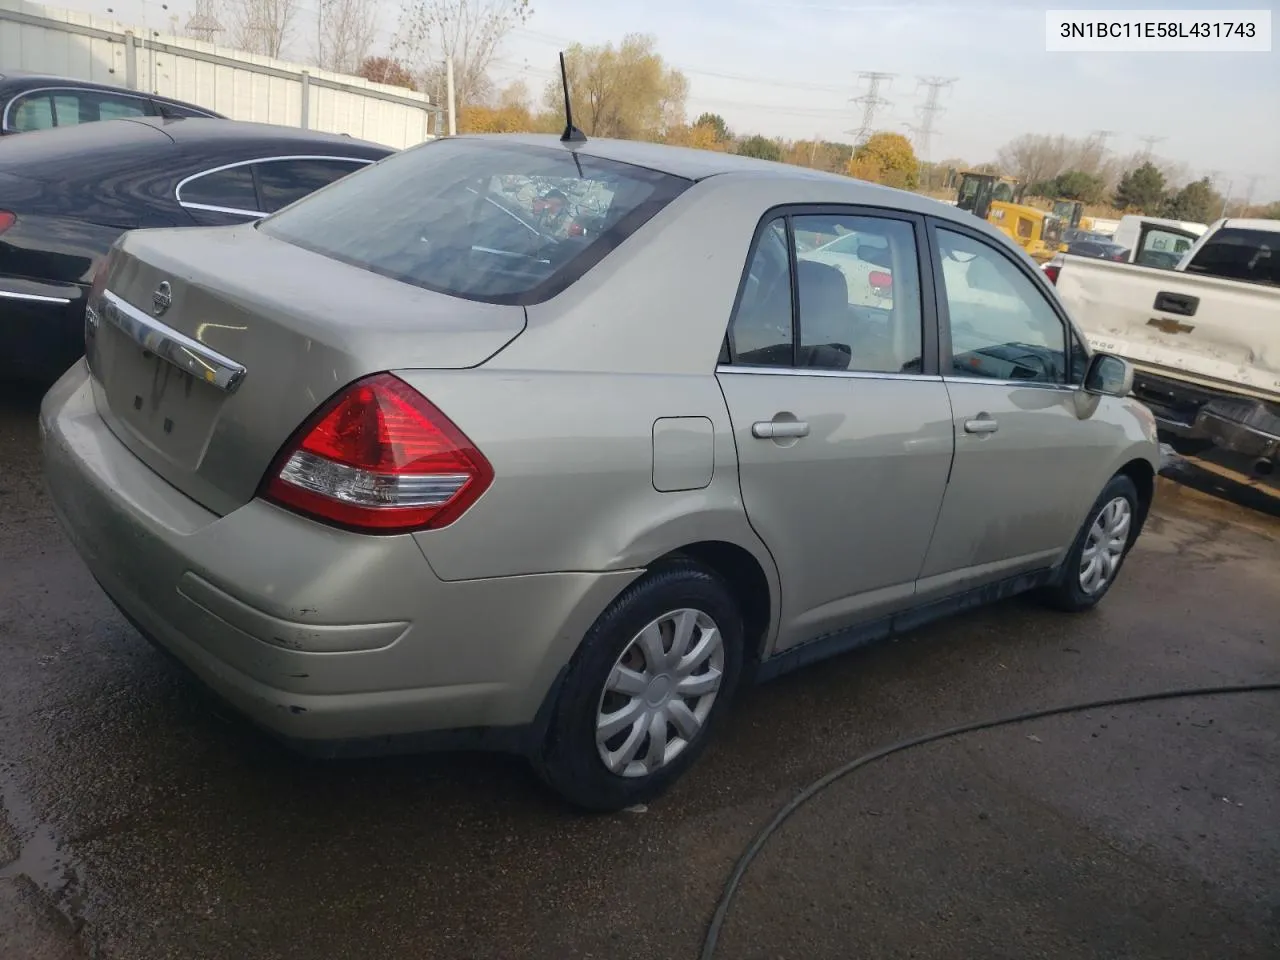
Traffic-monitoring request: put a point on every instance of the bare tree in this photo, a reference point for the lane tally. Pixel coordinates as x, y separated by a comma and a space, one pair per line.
204, 23
261, 26
470, 31
348, 29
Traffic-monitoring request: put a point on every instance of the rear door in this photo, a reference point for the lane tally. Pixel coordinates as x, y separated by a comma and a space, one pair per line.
1024, 457
842, 423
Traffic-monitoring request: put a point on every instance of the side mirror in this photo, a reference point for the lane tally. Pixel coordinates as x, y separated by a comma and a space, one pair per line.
1109, 376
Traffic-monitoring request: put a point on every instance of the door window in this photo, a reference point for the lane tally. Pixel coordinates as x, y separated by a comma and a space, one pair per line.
761, 332
32, 112
859, 296
229, 189
1002, 326
281, 182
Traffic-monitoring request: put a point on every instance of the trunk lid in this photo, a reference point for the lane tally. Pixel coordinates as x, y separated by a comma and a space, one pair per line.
206, 384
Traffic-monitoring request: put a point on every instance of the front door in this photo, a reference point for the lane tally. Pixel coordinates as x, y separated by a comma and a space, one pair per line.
1012, 366
843, 427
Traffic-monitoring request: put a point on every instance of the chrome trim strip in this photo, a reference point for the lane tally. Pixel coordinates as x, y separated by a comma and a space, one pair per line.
177, 191
819, 372
233, 210
33, 297
168, 344
1030, 384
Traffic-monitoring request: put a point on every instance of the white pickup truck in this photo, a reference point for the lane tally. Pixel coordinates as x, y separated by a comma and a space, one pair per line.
1204, 337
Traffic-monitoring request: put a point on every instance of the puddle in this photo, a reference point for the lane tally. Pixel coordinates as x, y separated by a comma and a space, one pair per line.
42, 857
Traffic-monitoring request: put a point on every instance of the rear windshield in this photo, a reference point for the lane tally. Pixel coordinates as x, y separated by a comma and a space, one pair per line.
1236, 254
492, 221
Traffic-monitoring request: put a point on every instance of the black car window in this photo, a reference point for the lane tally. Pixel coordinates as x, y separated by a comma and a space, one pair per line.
72, 107
281, 182
176, 110
228, 189
1002, 326
32, 112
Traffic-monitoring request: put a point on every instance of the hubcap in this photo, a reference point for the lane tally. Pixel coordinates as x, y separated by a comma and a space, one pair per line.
1104, 545
659, 693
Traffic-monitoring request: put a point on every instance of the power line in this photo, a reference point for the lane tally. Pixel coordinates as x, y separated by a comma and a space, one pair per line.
871, 102
929, 111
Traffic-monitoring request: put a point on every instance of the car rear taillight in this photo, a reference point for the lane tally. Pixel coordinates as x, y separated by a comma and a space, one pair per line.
1051, 271
379, 458
880, 281
7, 219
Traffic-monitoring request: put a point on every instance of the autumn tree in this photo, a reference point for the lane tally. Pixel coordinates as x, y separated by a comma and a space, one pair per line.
715, 123
1197, 202
348, 29
627, 91
386, 70
760, 147
469, 31
699, 136
1141, 189
509, 114
261, 26
886, 158
818, 155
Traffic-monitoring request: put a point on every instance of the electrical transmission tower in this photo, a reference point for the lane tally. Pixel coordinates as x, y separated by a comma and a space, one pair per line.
1100, 137
871, 102
1150, 142
929, 111
203, 24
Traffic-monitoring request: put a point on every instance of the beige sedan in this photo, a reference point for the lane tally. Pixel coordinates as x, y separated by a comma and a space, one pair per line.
388, 470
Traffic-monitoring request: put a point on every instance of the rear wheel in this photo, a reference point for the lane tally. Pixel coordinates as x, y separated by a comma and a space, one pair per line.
653, 676
1094, 562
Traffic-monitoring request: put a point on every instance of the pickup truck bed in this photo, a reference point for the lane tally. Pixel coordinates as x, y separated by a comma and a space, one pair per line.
1206, 350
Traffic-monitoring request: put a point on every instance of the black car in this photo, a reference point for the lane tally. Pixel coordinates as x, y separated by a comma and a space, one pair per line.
67, 194
1101, 249
37, 101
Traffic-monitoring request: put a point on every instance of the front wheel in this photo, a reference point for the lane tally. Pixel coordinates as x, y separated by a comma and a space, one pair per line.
653, 675
1099, 550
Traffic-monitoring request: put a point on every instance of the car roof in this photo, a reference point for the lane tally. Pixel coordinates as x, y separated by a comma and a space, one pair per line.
184, 130
53, 80
1247, 223
685, 162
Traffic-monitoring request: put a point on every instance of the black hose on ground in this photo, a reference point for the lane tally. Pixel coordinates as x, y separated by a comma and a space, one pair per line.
735, 878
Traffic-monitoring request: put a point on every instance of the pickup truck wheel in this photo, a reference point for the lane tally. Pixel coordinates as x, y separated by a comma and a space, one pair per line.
1099, 550
653, 676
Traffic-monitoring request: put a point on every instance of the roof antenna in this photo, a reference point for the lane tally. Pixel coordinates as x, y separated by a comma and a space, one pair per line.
571, 133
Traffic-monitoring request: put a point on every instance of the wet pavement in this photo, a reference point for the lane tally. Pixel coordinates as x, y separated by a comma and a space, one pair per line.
143, 820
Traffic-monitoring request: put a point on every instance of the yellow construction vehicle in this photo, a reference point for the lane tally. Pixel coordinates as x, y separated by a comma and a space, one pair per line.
1072, 214
991, 197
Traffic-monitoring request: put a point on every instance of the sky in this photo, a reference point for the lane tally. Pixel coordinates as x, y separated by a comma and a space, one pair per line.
790, 68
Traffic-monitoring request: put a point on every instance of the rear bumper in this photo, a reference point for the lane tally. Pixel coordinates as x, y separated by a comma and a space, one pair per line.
40, 334
1231, 422
337, 642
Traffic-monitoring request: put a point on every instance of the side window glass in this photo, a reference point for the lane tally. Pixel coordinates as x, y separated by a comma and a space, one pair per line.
860, 296
230, 189
1079, 361
33, 112
1161, 248
760, 335
174, 110
284, 181
1002, 327
86, 106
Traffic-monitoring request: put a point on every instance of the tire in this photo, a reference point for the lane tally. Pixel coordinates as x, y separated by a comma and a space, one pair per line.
1074, 591
571, 762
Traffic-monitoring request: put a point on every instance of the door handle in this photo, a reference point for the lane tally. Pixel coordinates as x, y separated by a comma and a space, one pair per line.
1184, 305
778, 429
984, 423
